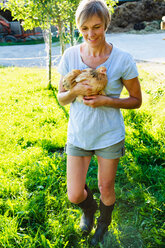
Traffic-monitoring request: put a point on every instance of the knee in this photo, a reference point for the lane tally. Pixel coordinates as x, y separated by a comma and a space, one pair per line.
106, 188
75, 197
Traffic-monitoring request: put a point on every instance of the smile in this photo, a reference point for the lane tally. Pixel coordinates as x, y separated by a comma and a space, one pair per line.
92, 40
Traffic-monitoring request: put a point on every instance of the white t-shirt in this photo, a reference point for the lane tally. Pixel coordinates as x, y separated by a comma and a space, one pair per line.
94, 128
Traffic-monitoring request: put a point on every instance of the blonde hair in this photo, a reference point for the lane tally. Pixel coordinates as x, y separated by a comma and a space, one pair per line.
88, 8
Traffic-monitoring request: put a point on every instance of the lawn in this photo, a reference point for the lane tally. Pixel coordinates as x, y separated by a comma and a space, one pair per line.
34, 210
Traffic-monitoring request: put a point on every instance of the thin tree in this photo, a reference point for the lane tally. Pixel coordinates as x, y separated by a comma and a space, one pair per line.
44, 13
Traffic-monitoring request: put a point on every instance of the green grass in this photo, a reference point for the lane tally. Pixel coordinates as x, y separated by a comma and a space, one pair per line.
34, 210
28, 42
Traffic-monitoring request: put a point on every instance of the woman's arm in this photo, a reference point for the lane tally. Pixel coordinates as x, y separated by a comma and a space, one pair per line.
133, 101
66, 97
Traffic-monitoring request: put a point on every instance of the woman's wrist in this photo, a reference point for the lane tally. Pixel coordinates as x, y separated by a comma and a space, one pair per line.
66, 97
72, 92
125, 103
108, 101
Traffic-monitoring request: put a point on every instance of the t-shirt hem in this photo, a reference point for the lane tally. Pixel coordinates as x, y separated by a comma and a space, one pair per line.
96, 148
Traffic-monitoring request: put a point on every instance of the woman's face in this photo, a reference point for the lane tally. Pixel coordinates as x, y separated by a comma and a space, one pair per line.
93, 31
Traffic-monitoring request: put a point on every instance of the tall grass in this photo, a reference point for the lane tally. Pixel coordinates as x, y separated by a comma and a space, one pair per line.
34, 210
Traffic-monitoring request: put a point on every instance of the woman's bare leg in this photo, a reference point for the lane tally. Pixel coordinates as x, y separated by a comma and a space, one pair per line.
106, 179
77, 168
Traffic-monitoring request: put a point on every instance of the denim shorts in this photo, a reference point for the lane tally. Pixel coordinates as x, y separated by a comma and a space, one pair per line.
111, 152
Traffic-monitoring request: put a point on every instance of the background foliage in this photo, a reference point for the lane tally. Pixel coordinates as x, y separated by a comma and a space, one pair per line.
34, 210
42, 13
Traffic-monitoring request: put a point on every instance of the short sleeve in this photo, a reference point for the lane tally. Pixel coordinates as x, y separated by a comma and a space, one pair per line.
129, 69
63, 67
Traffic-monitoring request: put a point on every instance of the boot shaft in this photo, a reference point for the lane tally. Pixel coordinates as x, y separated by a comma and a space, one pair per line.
105, 213
89, 207
89, 202
103, 222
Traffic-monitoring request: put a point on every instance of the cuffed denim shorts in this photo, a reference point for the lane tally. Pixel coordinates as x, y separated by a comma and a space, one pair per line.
111, 152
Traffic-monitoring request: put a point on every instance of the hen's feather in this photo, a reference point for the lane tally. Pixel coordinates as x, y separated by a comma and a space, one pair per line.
96, 78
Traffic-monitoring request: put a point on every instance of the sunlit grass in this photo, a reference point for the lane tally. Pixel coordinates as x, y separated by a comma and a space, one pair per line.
34, 210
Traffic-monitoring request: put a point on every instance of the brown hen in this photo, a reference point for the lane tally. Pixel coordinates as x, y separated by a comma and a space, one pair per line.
97, 78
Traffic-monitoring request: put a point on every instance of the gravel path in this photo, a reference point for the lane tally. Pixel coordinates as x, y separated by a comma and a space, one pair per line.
143, 47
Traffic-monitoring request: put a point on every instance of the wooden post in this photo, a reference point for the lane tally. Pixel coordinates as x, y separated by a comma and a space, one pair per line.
162, 25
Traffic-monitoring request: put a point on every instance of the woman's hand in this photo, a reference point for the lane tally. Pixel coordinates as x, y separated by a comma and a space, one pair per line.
94, 101
133, 101
66, 97
83, 89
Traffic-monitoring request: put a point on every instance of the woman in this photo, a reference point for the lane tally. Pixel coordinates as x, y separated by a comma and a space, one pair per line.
96, 125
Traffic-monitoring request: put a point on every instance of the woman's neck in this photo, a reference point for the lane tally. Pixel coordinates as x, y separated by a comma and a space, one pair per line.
101, 51
95, 57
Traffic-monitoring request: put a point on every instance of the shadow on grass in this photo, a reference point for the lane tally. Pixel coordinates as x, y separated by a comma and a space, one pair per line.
50, 147
145, 148
127, 236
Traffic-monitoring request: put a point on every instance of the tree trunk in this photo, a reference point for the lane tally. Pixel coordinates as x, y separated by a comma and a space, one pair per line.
71, 34
48, 46
50, 59
61, 34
